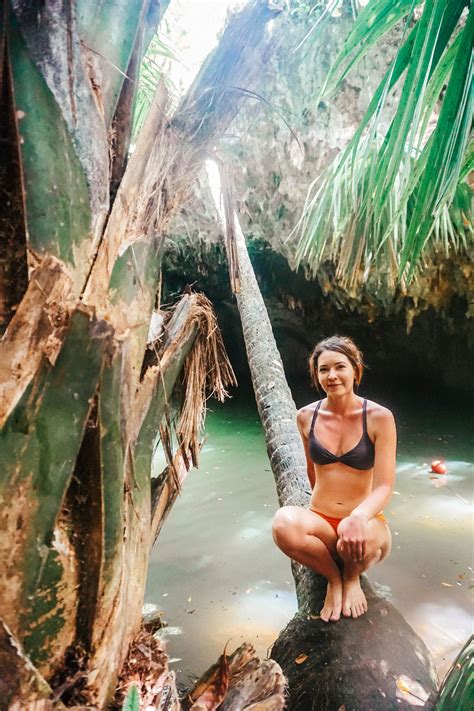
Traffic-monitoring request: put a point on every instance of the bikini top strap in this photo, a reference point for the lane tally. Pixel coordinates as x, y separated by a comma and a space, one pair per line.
364, 416
315, 414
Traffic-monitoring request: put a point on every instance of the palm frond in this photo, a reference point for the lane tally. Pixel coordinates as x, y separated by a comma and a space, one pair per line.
151, 72
375, 20
388, 194
445, 150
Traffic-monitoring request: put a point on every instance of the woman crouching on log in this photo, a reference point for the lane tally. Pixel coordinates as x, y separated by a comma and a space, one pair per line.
350, 447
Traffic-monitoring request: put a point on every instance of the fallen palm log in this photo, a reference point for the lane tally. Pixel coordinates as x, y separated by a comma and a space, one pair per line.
374, 662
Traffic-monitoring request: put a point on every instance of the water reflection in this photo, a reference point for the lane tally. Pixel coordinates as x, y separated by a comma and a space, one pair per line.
217, 575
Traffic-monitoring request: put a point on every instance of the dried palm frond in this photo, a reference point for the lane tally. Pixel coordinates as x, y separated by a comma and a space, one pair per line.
165, 489
207, 373
190, 343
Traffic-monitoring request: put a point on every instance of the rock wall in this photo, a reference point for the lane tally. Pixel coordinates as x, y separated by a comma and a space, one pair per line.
425, 328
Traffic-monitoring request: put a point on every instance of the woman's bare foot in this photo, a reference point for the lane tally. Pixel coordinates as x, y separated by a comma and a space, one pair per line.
333, 602
354, 602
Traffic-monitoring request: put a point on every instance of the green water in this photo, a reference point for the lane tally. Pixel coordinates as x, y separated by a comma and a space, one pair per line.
217, 576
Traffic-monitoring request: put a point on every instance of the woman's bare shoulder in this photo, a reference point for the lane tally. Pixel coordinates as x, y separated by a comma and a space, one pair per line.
307, 409
379, 415
305, 413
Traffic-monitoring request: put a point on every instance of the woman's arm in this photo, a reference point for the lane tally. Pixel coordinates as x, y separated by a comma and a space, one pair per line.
353, 529
302, 422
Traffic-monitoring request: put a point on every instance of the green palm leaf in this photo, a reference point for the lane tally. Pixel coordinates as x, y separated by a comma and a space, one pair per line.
151, 71
381, 187
446, 150
376, 19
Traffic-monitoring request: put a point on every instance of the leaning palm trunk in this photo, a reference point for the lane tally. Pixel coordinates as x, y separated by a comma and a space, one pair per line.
80, 405
375, 662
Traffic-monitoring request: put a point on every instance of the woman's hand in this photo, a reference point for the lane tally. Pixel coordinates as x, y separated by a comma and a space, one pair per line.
353, 534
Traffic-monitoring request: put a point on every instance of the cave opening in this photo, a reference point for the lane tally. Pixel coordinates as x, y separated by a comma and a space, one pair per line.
410, 350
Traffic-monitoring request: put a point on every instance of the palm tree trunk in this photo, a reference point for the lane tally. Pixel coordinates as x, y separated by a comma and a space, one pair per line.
273, 396
77, 412
375, 662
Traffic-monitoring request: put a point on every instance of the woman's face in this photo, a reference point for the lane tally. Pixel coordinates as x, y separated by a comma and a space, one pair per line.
336, 374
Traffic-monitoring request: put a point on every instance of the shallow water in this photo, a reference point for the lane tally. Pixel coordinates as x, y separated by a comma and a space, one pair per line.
217, 576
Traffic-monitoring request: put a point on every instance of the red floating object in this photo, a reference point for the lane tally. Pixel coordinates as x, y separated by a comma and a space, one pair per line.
438, 466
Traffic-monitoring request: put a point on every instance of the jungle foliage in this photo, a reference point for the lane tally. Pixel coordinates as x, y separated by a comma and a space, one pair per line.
396, 192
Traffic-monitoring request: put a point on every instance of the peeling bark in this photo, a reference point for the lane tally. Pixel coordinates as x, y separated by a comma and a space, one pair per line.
121, 126
19, 679
34, 333
165, 489
39, 444
127, 224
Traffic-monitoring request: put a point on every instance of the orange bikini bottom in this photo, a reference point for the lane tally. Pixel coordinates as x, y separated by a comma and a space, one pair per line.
334, 522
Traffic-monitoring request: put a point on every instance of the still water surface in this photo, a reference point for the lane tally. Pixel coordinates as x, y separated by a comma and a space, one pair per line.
217, 576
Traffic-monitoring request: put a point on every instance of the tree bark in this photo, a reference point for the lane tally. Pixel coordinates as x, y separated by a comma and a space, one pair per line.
78, 415
374, 662
19, 680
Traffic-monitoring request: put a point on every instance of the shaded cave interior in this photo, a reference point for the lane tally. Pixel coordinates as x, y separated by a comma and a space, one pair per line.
431, 356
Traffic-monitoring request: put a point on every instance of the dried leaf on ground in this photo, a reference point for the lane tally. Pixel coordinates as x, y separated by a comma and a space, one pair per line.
253, 685
301, 658
417, 696
210, 694
146, 668
166, 694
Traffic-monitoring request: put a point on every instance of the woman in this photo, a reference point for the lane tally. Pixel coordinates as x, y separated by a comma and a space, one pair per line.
350, 445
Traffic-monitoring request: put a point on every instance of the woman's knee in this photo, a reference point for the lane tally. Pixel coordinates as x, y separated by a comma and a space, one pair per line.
285, 528
381, 541
385, 548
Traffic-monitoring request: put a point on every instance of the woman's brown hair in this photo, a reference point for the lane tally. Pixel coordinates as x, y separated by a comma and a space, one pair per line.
340, 344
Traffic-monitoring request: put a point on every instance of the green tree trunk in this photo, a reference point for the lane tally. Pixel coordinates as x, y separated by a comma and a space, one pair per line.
79, 410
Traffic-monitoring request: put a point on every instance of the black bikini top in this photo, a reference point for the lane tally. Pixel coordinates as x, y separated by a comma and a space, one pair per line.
359, 457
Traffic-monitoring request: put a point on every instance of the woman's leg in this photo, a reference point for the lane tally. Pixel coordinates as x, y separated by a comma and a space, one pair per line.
310, 540
354, 602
